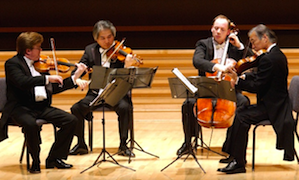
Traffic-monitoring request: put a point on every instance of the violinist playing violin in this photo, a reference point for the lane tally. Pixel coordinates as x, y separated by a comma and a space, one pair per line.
29, 96
273, 102
104, 33
207, 50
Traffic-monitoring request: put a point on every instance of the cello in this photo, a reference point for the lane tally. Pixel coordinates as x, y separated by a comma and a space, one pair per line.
216, 111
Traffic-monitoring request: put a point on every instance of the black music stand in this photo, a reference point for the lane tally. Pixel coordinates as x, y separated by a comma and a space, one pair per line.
110, 95
199, 87
139, 78
207, 87
178, 90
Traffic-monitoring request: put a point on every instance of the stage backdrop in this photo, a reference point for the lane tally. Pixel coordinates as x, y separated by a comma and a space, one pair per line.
146, 24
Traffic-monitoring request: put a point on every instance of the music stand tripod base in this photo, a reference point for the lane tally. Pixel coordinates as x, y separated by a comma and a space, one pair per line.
120, 87
138, 78
191, 152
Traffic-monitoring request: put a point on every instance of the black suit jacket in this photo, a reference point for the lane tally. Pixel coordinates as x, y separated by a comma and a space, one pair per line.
20, 90
204, 53
92, 56
270, 84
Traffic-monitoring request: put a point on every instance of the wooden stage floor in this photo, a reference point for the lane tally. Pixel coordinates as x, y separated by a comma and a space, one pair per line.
159, 134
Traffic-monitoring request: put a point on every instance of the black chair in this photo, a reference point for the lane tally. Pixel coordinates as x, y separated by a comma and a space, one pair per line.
294, 96
39, 122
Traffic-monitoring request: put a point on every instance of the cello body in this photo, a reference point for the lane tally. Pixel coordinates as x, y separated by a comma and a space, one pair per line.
217, 113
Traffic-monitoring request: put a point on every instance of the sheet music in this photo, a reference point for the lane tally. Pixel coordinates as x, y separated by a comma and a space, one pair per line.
100, 94
185, 81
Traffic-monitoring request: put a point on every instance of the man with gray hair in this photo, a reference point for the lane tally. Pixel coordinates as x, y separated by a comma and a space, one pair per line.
104, 33
268, 82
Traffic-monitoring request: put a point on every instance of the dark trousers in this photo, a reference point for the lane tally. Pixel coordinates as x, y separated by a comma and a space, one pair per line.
124, 110
66, 123
190, 124
190, 121
242, 102
239, 130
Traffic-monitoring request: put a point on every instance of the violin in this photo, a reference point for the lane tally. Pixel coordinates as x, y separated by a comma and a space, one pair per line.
45, 64
229, 61
248, 62
119, 51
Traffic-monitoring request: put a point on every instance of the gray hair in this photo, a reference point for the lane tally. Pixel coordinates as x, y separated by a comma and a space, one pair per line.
101, 25
261, 30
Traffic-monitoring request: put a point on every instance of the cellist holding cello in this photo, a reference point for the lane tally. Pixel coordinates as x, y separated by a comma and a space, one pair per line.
109, 53
206, 51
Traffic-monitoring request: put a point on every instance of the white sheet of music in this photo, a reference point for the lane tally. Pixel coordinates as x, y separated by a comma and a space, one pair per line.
184, 80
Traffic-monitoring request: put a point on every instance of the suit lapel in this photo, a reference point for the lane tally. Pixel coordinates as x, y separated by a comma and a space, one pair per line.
25, 66
96, 55
210, 49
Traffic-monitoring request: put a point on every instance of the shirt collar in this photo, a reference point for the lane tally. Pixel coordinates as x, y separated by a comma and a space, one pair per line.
270, 47
29, 61
217, 45
102, 50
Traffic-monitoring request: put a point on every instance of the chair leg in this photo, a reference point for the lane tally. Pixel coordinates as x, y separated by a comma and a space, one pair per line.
55, 132
27, 158
253, 148
90, 131
27, 154
23, 150
296, 155
296, 122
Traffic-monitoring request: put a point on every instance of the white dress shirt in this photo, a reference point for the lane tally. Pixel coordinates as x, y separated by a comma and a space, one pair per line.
40, 91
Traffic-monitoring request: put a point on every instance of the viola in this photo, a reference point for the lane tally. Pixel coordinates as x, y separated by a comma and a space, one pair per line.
119, 51
45, 64
248, 62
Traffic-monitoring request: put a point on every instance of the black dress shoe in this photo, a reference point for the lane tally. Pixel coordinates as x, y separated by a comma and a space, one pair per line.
185, 149
232, 168
58, 163
78, 150
226, 160
125, 151
35, 168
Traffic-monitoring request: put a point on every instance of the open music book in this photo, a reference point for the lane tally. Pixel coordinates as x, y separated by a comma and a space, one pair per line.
185, 81
112, 93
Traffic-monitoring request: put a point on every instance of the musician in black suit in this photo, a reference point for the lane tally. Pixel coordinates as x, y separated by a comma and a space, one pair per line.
207, 50
104, 33
29, 96
273, 103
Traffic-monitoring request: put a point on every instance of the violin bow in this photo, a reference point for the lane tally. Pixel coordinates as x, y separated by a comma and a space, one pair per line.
116, 49
54, 54
246, 49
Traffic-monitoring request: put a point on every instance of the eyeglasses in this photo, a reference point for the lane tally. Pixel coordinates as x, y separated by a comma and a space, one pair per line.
38, 48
